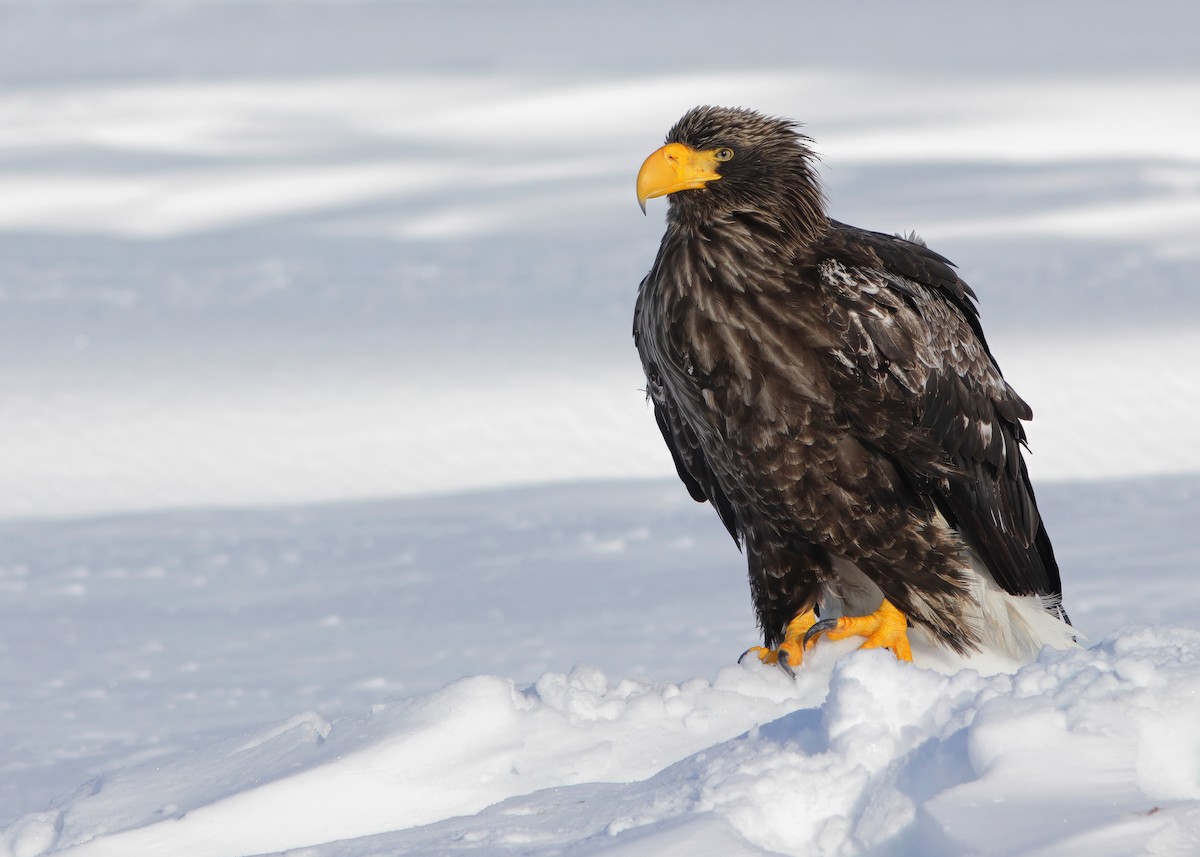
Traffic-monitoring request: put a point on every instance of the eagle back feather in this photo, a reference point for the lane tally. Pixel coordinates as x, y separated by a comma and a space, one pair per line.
915, 340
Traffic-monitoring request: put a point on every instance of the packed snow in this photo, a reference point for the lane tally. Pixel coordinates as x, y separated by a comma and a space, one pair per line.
334, 519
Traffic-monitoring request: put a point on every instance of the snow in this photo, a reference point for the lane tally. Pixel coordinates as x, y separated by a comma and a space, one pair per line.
859, 754
290, 678
371, 235
334, 519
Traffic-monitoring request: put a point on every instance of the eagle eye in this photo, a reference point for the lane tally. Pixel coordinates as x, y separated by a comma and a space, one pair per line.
723, 154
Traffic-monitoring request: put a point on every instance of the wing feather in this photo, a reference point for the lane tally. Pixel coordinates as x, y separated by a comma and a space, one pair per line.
687, 452
916, 344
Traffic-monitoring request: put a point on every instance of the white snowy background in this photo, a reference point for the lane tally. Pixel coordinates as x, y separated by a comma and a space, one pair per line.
332, 517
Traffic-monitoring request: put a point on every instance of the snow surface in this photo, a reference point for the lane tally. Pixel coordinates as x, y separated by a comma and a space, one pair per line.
240, 682
399, 239
266, 265
863, 755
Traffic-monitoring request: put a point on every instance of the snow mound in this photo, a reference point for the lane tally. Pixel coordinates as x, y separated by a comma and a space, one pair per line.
1089, 752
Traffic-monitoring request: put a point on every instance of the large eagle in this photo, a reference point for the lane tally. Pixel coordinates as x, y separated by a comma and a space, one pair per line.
829, 390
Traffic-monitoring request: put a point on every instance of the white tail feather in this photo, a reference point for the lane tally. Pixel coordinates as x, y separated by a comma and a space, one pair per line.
1015, 625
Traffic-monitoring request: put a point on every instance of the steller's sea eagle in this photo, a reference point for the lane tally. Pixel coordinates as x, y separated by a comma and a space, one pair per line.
829, 390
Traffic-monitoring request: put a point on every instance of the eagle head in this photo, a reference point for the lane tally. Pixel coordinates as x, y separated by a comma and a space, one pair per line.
728, 160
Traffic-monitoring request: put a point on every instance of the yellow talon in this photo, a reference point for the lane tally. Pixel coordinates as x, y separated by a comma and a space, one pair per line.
886, 628
793, 645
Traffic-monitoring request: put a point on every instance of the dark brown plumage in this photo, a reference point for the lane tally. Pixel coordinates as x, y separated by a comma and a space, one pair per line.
830, 391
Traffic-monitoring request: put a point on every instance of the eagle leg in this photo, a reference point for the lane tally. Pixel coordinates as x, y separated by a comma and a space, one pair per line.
886, 628
790, 653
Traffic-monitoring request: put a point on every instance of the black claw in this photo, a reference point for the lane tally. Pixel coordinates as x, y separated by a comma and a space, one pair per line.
742, 657
783, 659
819, 628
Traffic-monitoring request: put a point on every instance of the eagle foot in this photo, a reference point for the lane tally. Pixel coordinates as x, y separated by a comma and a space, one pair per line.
790, 653
886, 628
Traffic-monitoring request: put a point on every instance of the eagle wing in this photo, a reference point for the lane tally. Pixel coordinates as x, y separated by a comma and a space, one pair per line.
692, 466
686, 449
913, 351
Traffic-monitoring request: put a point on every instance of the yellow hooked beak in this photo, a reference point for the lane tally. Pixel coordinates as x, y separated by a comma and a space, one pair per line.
675, 167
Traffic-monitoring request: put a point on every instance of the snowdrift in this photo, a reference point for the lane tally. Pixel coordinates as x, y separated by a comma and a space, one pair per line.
1090, 752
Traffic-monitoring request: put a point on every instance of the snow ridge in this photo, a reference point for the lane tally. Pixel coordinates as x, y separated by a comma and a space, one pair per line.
1092, 752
